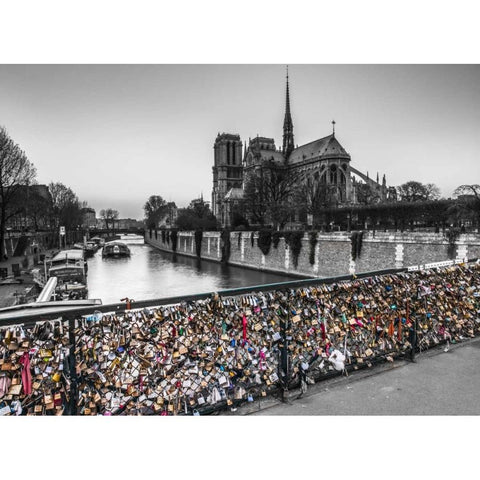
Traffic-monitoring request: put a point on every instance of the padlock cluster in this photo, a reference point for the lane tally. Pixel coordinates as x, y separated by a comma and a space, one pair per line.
215, 353
34, 369
176, 359
356, 323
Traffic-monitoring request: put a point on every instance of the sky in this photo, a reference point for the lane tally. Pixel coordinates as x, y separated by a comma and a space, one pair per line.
117, 134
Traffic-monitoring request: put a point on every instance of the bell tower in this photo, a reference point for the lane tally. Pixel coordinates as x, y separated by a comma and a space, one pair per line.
227, 168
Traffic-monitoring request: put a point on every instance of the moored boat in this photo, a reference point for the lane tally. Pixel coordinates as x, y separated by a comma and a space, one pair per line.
90, 247
115, 249
100, 242
70, 269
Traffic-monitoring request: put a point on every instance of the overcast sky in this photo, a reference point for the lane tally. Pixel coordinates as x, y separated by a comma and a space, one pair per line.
117, 134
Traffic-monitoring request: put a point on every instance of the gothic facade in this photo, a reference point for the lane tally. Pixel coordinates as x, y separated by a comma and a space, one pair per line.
323, 163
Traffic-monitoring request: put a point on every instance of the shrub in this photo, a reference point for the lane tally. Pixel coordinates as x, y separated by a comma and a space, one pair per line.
357, 241
276, 238
294, 241
313, 243
174, 239
198, 242
225, 236
264, 241
452, 235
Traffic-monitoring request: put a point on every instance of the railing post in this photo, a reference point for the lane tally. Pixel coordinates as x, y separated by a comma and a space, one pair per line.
73, 367
413, 341
284, 360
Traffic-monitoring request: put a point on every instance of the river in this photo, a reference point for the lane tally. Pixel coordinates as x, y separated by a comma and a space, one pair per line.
150, 273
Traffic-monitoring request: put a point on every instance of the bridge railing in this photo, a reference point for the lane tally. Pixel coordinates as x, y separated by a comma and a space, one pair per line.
210, 351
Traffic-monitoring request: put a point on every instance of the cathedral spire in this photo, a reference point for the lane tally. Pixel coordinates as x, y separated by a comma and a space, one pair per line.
288, 144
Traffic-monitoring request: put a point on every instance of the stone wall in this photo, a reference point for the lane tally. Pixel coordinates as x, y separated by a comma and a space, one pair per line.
380, 250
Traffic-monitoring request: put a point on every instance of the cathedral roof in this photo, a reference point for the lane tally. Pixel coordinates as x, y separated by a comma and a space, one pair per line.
263, 155
324, 147
275, 156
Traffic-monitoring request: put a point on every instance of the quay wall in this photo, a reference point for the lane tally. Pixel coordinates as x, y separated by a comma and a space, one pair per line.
332, 252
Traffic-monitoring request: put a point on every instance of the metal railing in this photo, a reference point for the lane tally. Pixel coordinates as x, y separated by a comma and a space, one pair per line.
29, 318
287, 346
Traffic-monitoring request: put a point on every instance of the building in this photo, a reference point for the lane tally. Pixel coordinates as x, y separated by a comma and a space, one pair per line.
323, 163
32, 205
89, 219
227, 174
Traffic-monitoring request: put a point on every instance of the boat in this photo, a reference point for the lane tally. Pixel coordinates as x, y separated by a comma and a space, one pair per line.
70, 269
100, 242
89, 247
115, 249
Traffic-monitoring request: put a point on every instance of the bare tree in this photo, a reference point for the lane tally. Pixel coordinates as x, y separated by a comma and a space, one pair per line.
66, 209
312, 197
15, 171
154, 208
468, 202
65, 206
432, 191
109, 215
473, 190
269, 195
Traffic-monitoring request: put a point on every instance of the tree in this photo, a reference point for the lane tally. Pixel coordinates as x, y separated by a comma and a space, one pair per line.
197, 216
38, 206
65, 206
269, 195
15, 172
413, 191
109, 215
433, 192
468, 202
154, 209
366, 194
313, 197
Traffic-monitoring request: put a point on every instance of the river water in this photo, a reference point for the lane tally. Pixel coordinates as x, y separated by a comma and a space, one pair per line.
150, 273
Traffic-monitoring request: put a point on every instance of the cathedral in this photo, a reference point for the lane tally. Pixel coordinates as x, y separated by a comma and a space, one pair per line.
323, 163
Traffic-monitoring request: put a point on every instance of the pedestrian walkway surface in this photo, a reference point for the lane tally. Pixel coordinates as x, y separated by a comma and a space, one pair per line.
439, 383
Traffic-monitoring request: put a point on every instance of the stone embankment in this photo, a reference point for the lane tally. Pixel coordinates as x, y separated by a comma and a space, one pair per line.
321, 254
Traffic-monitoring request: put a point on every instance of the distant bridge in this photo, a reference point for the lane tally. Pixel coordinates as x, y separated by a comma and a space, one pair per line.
103, 232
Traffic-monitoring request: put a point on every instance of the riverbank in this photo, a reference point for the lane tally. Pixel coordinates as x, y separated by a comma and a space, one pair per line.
318, 254
17, 285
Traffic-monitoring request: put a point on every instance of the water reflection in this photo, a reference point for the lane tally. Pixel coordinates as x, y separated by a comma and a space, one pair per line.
151, 273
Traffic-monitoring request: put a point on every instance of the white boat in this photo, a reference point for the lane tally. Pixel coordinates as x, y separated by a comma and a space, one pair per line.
70, 268
115, 249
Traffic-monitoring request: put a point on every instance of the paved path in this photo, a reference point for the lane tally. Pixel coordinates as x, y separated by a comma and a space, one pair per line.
438, 384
